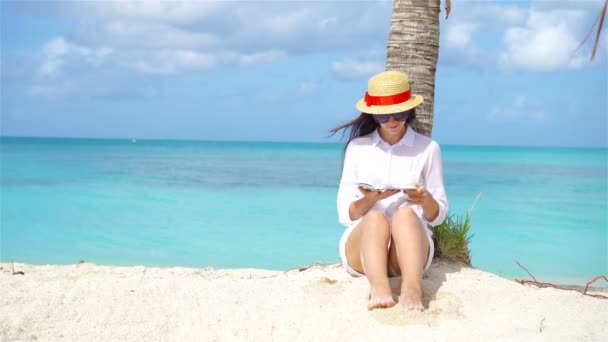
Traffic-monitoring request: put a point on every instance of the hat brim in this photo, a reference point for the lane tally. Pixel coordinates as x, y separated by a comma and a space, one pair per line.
398, 108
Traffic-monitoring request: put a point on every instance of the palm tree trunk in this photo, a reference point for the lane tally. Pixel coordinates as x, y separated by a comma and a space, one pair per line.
413, 48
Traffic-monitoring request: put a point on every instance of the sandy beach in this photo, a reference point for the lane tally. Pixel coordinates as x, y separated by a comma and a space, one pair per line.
87, 302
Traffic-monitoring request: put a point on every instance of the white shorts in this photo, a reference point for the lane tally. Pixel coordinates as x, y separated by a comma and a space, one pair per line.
391, 272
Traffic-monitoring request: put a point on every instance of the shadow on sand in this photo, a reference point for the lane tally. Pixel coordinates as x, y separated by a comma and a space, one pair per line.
431, 280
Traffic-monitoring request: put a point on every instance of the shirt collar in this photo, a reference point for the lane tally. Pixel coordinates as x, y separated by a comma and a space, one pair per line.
407, 139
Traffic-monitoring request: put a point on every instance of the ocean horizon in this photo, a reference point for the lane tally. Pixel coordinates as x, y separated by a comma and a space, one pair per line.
254, 204
327, 140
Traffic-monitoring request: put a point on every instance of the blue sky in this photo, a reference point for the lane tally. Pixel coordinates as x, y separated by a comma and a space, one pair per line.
508, 73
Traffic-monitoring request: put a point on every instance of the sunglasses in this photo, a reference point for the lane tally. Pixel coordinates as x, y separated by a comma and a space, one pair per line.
384, 118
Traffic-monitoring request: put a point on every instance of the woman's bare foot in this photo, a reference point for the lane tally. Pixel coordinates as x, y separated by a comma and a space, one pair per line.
380, 297
411, 298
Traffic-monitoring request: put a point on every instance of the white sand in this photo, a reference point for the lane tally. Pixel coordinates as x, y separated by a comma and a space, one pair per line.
86, 302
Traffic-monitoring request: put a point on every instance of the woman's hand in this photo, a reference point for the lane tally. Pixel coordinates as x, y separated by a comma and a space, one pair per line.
361, 206
377, 195
422, 197
419, 196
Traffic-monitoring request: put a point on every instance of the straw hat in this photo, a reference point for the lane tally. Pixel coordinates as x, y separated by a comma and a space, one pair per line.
388, 92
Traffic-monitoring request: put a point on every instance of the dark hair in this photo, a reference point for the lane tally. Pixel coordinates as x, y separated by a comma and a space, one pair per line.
363, 125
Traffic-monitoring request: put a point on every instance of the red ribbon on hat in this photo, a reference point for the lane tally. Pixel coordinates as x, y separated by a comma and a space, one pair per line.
387, 100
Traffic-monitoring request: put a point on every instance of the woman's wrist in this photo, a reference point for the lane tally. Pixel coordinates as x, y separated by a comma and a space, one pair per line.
430, 208
361, 206
365, 204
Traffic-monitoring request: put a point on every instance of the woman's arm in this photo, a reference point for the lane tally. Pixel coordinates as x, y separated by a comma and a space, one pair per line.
347, 192
435, 207
431, 196
422, 197
430, 208
361, 206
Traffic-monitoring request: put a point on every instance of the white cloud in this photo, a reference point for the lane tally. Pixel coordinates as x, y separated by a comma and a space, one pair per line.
547, 42
55, 90
351, 69
57, 50
486, 12
143, 34
56, 47
503, 13
605, 44
521, 109
239, 27
174, 37
153, 11
468, 21
172, 62
542, 36
259, 57
362, 66
53, 51
461, 46
328, 22
51, 66
287, 24
307, 88
592, 5
459, 35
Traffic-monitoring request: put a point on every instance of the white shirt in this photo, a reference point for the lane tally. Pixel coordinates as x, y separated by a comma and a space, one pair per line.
414, 159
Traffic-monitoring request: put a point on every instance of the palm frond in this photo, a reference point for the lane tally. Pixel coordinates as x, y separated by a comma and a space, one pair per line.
600, 18
599, 30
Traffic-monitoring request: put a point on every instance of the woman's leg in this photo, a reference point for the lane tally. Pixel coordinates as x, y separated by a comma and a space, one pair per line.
366, 252
408, 255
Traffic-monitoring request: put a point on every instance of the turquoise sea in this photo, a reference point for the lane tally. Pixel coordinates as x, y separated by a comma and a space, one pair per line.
273, 205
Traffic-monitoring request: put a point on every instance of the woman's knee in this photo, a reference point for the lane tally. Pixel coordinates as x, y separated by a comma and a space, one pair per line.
376, 220
377, 217
405, 220
404, 214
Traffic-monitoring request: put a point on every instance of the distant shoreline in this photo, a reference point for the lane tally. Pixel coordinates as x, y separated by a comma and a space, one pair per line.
319, 142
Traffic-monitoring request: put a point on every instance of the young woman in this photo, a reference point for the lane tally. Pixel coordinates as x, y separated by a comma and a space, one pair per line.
389, 231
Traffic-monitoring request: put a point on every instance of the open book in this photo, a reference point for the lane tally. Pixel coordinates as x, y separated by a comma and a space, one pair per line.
382, 188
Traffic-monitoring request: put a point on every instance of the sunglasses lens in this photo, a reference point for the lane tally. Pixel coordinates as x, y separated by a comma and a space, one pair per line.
382, 118
399, 116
